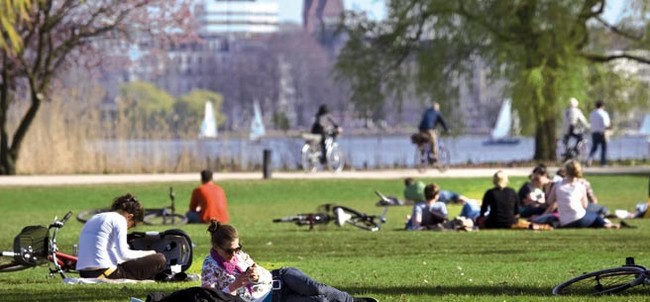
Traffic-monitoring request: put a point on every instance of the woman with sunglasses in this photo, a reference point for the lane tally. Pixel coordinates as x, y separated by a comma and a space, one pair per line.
104, 251
233, 271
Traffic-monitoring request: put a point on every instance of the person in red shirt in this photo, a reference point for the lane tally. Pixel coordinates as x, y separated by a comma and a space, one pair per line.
208, 202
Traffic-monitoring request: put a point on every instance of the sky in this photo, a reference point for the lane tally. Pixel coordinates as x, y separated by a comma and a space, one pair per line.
291, 10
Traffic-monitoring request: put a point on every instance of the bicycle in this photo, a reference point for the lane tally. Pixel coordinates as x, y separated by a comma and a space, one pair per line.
424, 156
607, 281
578, 151
156, 216
341, 215
311, 153
36, 245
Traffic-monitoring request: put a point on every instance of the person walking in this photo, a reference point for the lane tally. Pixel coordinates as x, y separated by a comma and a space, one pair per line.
208, 201
600, 123
324, 124
430, 119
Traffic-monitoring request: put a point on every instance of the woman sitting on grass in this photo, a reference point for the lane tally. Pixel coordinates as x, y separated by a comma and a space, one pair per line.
233, 271
569, 197
502, 202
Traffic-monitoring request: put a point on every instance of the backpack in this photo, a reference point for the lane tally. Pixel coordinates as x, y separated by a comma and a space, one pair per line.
194, 294
175, 244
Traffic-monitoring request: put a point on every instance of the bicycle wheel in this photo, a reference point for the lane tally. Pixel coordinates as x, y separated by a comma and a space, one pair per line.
83, 216
166, 219
355, 218
420, 160
12, 267
335, 159
602, 282
444, 158
310, 158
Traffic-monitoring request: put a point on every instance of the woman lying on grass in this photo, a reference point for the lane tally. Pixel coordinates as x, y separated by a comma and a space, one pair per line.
233, 271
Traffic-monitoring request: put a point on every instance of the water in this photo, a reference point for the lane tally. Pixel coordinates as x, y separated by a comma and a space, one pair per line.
383, 151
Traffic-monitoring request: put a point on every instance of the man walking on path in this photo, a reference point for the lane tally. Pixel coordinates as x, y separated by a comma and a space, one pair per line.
600, 123
208, 202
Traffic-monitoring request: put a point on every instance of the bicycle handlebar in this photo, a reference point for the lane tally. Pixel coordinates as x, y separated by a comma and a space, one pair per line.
60, 223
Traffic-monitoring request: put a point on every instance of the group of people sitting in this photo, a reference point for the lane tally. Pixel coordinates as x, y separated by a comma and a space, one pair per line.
566, 200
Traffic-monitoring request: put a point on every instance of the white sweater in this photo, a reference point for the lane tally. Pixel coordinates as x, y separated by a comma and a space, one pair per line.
102, 243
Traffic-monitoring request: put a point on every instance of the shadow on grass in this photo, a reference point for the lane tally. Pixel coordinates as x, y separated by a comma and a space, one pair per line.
466, 290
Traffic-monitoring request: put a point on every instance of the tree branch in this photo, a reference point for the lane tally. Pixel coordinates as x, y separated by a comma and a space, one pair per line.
608, 58
617, 30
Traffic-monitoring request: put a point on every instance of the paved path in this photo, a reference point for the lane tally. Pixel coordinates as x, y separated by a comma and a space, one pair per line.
56, 180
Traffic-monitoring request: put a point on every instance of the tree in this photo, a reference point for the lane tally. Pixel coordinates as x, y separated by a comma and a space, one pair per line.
145, 107
56, 34
13, 12
543, 48
190, 108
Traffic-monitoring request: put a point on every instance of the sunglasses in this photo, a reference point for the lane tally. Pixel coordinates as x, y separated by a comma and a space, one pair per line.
231, 250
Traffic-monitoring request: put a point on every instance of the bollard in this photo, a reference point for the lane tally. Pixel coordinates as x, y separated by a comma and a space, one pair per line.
266, 164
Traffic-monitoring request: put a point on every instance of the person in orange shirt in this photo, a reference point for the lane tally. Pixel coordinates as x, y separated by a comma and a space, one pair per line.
208, 202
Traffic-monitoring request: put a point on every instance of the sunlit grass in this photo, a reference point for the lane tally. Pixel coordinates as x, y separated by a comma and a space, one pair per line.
392, 265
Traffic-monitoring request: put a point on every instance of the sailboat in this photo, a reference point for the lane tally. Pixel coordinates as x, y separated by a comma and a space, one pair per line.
502, 129
209, 124
257, 126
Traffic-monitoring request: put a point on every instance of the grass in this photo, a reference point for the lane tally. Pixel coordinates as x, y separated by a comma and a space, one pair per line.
392, 265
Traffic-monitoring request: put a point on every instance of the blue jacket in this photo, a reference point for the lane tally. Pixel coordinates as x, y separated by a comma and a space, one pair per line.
430, 119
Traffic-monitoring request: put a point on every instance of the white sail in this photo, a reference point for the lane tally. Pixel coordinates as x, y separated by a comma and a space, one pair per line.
645, 125
209, 124
504, 121
257, 126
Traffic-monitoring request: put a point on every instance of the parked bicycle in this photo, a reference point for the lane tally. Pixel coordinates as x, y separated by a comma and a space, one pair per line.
607, 281
341, 215
311, 152
36, 245
424, 155
155, 216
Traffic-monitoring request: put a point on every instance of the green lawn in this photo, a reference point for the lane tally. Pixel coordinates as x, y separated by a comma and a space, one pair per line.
392, 265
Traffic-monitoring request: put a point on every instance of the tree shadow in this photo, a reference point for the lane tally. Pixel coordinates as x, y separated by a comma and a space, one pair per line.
442, 290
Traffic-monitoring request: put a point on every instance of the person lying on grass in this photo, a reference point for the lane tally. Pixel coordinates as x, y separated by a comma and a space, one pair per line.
103, 248
233, 271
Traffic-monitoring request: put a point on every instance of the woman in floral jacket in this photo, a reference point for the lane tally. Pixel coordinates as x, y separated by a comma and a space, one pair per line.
233, 271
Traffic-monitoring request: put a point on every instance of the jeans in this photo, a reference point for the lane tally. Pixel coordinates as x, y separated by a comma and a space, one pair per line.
598, 138
298, 287
193, 217
145, 268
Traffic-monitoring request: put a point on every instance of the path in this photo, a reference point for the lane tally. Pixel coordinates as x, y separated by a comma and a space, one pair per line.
56, 180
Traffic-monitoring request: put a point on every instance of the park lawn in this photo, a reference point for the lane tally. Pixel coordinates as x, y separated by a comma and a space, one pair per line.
392, 265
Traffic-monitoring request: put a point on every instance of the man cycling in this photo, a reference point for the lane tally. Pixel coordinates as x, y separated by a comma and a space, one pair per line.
574, 124
323, 125
431, 118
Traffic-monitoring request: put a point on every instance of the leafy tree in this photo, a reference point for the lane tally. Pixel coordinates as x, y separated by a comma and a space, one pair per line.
12, 12
56, 34
189, 110
145, 106
544, 48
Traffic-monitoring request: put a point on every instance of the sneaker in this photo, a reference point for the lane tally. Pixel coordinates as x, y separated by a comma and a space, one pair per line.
365, 299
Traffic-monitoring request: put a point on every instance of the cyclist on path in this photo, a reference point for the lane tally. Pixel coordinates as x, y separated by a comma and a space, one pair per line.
430, 119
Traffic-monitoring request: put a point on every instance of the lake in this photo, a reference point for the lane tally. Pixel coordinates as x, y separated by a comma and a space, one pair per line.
361, 152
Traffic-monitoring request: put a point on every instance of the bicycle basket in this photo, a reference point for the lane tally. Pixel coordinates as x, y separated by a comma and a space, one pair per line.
420, 138
31, 245
175, 244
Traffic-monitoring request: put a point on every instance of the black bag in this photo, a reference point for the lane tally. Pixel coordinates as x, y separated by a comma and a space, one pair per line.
194, 294
175, 244
32, 245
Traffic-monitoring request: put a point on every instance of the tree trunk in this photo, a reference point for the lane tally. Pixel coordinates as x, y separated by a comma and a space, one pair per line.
6, 164
545, 140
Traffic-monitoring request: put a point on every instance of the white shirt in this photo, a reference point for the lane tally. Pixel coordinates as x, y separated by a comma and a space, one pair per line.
102, 243
569, 200
599, 119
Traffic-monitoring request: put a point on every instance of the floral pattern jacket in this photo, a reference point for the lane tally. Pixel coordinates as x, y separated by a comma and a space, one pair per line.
215, 276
